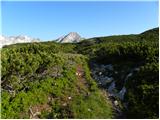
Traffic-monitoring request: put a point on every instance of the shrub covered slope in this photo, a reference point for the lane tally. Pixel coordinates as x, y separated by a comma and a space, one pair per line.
52, 80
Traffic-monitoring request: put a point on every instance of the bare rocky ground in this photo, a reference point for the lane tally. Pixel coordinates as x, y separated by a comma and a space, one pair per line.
104, 76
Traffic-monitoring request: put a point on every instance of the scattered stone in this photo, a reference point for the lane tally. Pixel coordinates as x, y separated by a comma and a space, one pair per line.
109, 67
64, 104
116, 72
55, 115
99, 83
116, 103
103, 74
122, 93
108, 79
130, 74
100, 73
136, 69
49, 98
69, 98
111, 87
76, 73
37, 113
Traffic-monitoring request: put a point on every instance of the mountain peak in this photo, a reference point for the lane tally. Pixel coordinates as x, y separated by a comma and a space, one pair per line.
73, 33
16, 39
72, 37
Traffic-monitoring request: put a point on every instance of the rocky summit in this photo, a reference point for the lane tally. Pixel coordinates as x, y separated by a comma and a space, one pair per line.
72, 37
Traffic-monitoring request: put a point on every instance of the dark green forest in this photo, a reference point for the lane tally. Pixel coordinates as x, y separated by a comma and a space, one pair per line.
54, 80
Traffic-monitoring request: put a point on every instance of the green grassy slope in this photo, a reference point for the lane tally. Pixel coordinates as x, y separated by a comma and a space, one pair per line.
47, 85
52, 80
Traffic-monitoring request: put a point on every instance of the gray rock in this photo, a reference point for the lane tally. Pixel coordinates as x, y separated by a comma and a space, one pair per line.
136, 69
129, 75
100, 73
116, 72
109, 67
107, 79
72, 37
116, 103
122, 93
111, 87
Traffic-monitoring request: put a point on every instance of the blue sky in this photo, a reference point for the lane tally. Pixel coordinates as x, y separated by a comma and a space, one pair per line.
50, 20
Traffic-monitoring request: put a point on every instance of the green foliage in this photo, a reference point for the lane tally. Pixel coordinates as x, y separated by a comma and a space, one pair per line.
34, 77
142, 95
125, 53
90, 107
43, 76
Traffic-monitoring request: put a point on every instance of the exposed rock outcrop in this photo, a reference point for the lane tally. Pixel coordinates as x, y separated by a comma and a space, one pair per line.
72, 37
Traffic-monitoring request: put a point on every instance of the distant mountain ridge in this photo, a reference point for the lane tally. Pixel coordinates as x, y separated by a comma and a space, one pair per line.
72, 37
4, 40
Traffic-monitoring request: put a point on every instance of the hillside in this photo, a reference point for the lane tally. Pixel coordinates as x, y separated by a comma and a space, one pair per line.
104, 77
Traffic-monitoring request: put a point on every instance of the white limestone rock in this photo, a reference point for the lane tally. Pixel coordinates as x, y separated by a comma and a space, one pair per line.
72, 37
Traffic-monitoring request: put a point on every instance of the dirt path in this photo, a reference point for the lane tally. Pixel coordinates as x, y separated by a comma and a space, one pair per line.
80, 74
81, 81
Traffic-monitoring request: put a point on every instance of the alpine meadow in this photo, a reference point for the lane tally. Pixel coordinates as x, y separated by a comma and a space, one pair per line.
104, 77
